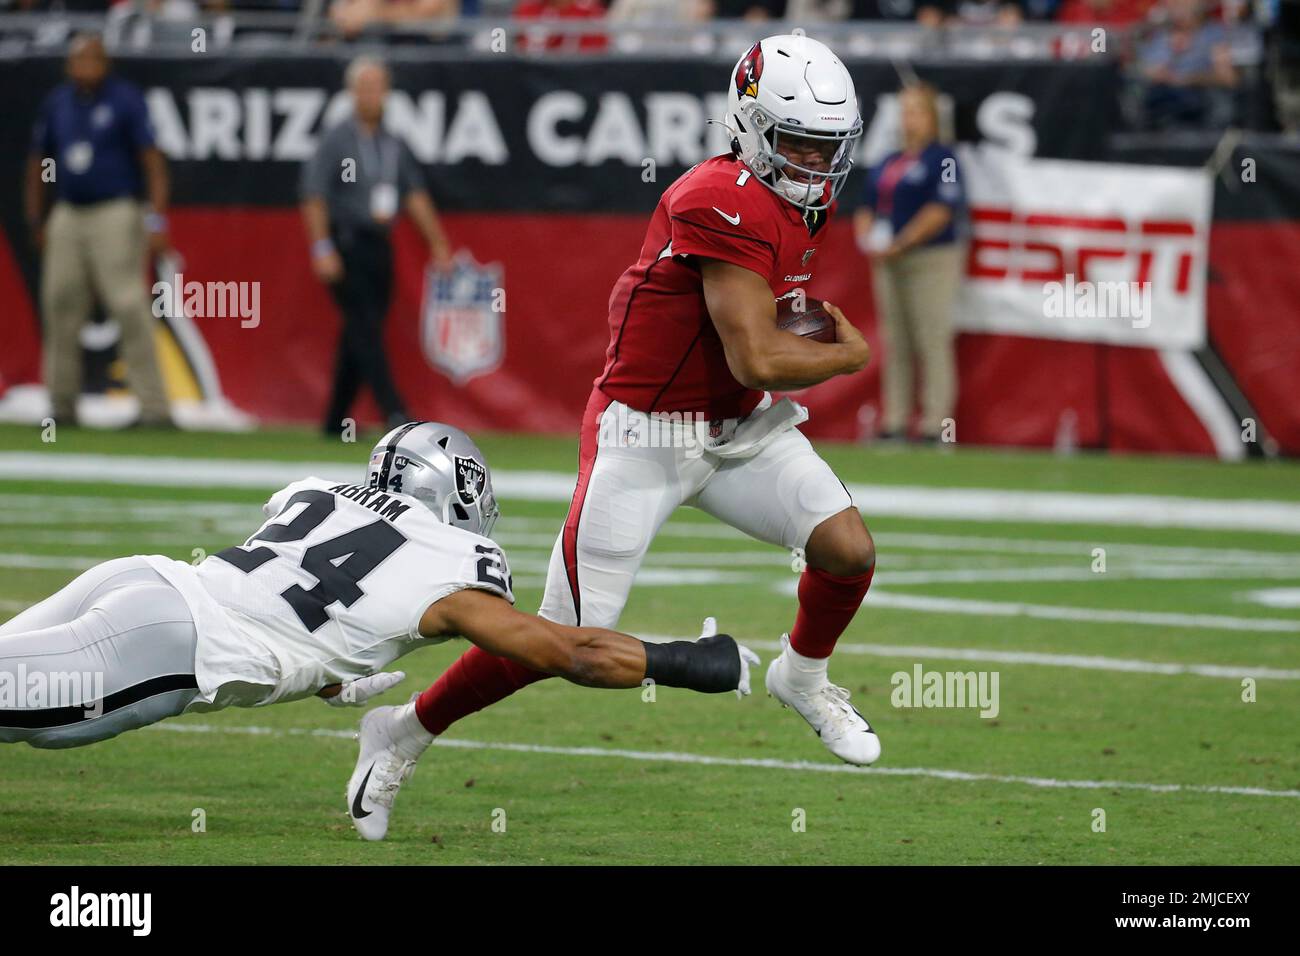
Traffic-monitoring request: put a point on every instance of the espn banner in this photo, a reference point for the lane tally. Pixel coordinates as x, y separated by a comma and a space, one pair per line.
1085, 252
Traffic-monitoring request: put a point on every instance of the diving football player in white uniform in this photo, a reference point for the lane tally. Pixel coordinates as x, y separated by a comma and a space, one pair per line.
340, 581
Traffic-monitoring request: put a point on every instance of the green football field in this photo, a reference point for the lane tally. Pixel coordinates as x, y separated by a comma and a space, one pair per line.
1141, 617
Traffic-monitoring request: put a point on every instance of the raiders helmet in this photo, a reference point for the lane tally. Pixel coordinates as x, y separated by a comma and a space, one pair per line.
442, 468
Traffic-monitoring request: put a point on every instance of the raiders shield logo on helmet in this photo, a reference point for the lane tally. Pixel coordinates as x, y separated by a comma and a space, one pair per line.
470, 478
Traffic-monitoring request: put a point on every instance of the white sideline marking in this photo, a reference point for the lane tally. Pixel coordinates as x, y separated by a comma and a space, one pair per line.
1081, 661
1276, 597
1116, 572
1048, 612
753, 762
168, 472
50, 562
983, 545
910, 501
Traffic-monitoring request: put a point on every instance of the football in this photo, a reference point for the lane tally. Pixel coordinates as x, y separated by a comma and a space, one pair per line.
812, 323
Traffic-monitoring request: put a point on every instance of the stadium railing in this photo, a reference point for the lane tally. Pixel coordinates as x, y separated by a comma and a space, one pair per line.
256, 32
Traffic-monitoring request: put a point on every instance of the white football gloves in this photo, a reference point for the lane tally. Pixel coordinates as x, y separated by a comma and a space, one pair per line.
356, 692
748, 658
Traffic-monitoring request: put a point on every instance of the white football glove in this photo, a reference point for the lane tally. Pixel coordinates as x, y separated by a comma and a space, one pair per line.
356, 692
748, 658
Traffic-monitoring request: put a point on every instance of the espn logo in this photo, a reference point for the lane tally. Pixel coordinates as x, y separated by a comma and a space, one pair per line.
1047, 247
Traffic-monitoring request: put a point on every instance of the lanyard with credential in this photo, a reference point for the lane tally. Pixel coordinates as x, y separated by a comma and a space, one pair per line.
379, 157
895, 169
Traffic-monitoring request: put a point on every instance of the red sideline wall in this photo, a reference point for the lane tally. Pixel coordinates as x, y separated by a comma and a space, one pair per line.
558, 273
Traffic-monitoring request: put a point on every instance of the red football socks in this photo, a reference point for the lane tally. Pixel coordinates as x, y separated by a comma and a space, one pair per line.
477, 680
827, 604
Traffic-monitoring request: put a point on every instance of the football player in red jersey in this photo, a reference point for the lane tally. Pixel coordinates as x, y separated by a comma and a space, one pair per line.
682, 413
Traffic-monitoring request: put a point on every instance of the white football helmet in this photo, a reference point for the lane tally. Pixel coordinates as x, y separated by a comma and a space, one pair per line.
442, 468
794, 87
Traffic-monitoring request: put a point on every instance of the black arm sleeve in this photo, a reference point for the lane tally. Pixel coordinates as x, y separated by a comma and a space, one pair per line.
710, 665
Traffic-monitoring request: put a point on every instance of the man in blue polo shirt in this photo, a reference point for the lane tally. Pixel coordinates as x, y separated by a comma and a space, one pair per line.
94, 144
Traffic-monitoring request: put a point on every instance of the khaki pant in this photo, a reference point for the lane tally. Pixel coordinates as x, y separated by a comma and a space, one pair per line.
914, 299
98, 250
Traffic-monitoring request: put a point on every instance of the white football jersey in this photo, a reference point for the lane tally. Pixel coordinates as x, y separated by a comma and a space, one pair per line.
331, 588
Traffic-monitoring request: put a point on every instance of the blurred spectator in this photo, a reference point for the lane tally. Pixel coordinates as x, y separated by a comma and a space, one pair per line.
540, 38
755, 11
68, 6
1187, 70
1106, 13
352, 191
900, 10
989, 14
906, 225
986, 13
674, 11
353, 16
818, 11
95, 128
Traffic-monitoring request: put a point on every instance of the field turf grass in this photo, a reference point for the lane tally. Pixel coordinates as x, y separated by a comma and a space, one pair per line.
587, 776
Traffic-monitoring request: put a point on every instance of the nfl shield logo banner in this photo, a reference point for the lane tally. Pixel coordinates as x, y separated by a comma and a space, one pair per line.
462, 334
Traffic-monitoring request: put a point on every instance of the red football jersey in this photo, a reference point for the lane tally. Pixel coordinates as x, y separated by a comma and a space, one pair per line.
664, 352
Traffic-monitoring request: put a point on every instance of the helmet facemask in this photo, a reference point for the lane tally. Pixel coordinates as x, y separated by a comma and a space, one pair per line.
476, 514
802, 185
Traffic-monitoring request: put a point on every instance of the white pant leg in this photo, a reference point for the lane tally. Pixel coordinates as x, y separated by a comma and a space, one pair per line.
779, 495
70, 601
124, 661
628, 496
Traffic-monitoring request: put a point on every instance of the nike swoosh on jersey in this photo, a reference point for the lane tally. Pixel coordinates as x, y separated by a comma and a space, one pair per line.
734, 220
357, 812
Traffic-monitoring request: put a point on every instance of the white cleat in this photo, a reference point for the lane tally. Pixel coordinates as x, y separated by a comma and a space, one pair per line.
380, 773
843, 730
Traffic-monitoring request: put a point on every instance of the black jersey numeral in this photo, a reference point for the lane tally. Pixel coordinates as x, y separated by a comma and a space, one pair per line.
492, 568
362, 550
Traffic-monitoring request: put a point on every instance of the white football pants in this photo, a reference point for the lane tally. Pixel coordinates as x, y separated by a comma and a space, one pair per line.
626, 492
112, 651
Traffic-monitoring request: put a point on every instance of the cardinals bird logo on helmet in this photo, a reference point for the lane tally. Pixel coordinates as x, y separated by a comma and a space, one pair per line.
749, 70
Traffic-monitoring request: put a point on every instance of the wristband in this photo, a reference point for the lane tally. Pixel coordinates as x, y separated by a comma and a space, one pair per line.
321, 247
155, 222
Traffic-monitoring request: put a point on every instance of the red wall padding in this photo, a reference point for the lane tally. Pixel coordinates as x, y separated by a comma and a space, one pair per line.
558, 273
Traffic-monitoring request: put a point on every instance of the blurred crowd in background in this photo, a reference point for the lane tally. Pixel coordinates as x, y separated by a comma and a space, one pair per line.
354, 14
1184, 59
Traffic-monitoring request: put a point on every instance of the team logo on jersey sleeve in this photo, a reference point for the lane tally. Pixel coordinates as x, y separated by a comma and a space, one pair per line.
750, 71
462, 329
470, 478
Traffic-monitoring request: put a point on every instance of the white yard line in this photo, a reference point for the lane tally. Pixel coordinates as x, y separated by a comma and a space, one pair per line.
1134, 552
1049, 612
119, 539
1080, 661
49, 562
758, 763
958, 504
1114, 572
99, 504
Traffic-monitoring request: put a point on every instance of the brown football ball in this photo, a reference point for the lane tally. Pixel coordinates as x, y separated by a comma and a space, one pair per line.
813, 323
